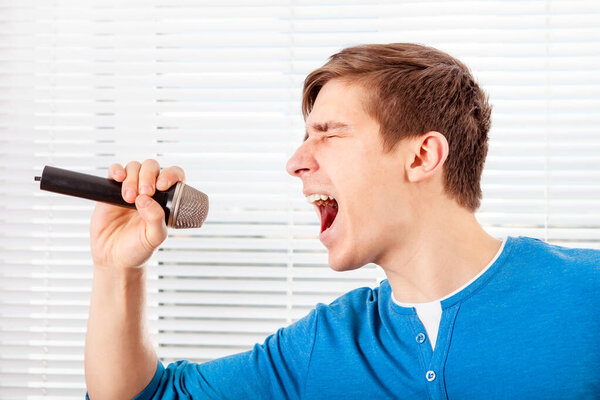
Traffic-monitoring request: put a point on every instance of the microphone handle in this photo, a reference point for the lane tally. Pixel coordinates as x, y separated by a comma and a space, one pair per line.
93, 187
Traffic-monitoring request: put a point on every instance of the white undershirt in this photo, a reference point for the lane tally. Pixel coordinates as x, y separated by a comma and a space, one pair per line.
430, 313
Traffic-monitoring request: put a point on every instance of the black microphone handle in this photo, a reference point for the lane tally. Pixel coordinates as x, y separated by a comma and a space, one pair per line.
93, 187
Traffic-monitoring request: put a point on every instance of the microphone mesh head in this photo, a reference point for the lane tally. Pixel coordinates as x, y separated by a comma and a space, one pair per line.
192, 208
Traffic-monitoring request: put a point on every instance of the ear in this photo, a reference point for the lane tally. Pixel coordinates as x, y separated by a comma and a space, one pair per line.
428, 154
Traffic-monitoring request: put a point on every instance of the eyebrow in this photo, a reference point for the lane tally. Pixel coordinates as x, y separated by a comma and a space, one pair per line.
325, 127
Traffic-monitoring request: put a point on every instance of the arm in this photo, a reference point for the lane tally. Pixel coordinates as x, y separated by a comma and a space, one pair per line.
119, 357
276, 369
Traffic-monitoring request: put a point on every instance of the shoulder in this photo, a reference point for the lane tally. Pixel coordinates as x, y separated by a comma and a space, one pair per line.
538, 251
343, 310
351, 306
356, 299
545, 262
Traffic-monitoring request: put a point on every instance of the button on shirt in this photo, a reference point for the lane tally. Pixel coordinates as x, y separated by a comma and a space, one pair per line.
430, 313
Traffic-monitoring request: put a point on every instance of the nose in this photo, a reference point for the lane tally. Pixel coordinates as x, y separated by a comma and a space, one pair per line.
302, 161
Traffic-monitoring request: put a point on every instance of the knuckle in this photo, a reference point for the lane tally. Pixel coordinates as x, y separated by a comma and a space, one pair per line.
133, 170
150, 170
156, 215
131, 182
133, 165
116, 171
178, 172
150, 162
115, 167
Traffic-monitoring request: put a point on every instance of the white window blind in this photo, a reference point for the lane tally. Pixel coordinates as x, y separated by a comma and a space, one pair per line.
215, 87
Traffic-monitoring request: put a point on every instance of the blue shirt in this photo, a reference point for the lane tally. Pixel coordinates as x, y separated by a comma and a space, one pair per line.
528, 328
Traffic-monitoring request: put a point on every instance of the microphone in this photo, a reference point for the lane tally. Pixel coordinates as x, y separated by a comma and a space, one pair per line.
184, 206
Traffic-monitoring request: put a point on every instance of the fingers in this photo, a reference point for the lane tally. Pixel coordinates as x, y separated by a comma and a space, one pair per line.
147, 178
116, 172
169, 176
129, 188
154, 217
144, 178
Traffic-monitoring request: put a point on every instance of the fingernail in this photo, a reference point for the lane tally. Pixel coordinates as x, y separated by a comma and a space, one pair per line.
130, 194
162, 183
144, 201
146, 189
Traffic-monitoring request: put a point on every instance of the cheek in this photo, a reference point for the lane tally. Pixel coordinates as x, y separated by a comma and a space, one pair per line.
375, 208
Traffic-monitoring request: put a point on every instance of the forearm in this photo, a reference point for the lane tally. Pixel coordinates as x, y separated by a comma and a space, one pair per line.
119, 357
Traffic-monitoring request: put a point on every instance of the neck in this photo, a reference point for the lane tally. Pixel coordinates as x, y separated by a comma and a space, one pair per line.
448, 250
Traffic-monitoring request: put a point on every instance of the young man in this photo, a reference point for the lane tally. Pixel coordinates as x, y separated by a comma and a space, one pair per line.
396, 139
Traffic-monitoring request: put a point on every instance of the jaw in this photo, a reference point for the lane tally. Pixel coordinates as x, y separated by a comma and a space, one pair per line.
359, 239
343, 248
349, 239
342, 259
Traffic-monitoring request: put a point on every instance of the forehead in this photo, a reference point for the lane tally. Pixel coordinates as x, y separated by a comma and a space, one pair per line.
338, 101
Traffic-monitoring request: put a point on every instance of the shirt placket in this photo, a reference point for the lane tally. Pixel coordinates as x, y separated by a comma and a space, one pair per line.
433, 362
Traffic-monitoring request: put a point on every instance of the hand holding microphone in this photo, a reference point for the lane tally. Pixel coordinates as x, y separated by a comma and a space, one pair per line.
148, 200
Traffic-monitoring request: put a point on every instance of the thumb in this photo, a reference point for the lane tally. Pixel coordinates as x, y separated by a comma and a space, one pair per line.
154, 217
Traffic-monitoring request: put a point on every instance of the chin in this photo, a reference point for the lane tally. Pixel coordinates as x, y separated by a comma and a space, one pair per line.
342, 263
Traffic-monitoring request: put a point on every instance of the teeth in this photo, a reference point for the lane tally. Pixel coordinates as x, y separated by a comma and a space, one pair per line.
328, 202
321, 199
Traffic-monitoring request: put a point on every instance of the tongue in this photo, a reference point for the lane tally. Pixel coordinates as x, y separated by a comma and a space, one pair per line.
328, 214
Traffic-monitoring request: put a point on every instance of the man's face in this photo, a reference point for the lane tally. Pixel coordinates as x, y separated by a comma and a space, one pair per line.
343, 157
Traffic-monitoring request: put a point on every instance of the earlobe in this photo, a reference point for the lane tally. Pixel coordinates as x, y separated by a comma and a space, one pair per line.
428, 157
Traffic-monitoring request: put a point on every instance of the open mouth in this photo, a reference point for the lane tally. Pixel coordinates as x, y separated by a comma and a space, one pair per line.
328, 209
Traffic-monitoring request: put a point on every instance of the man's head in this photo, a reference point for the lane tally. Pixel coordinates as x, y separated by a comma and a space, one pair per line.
388, 127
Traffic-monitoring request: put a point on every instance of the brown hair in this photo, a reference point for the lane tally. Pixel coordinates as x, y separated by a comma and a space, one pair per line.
413, 90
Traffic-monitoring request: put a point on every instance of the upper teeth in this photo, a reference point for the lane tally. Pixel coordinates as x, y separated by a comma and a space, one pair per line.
315, 197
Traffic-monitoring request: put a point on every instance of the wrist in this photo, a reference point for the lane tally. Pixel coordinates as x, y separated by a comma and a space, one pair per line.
115, 269
122, 290
118, 277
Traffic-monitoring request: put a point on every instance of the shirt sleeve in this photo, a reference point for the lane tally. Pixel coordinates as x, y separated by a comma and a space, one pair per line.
276, 369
